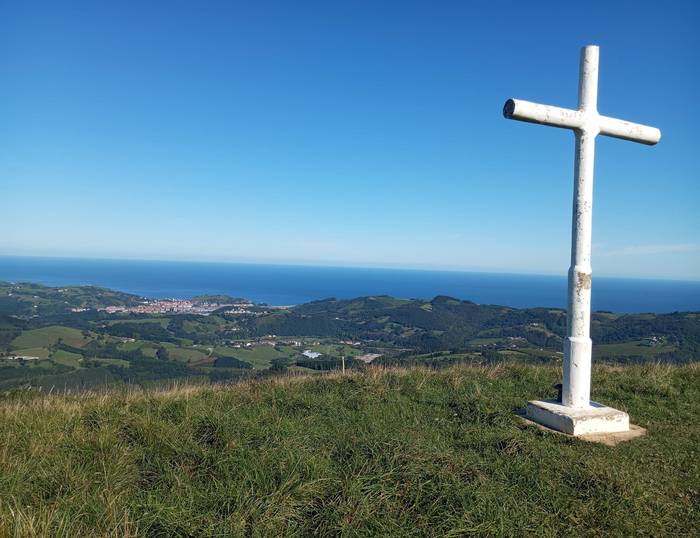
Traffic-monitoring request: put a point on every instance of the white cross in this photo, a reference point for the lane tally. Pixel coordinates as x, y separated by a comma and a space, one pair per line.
586, 124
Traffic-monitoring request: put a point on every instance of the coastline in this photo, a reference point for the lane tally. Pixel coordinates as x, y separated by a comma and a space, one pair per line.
279, 285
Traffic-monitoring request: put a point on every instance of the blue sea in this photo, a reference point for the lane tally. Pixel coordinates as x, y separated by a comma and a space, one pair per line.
291, 284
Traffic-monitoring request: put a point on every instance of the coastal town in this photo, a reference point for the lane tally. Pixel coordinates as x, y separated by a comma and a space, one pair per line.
183, 306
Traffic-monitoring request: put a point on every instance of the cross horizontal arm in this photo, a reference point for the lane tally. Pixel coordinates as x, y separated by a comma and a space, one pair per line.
628, 130
517, 109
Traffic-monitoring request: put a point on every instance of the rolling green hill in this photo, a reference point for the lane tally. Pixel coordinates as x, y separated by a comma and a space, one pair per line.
448, 323
49, 336
55, 337
404, 452
26, 298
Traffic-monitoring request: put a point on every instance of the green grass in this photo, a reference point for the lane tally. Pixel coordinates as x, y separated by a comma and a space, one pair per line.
116, 362
131, 346
331, 350
67, 358
149, 349
187, 354
631, 348
48, 336
260, 357
379, 453
41, 365
303, 370
32, 352
537, 352
485, 341
163, 322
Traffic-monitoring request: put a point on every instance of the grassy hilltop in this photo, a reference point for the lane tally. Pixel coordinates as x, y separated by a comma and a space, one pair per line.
396, 452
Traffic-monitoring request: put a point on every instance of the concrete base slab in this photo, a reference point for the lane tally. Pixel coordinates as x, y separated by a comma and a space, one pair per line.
612, 439
595, 419
609, 439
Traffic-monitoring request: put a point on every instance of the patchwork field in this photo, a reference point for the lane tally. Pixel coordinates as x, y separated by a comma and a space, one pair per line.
66, 358
40, 352
639, 348
260, 357
48, 336
187, 354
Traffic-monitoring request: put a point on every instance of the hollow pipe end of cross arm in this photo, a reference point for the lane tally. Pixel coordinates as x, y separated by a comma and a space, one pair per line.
509, 109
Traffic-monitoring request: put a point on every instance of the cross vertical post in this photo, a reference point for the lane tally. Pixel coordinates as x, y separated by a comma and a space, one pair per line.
576, 413
576, 385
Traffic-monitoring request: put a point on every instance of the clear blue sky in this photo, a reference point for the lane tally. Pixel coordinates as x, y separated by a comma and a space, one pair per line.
357, 133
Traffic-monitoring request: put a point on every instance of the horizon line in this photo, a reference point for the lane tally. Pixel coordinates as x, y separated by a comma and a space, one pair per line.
349, 265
